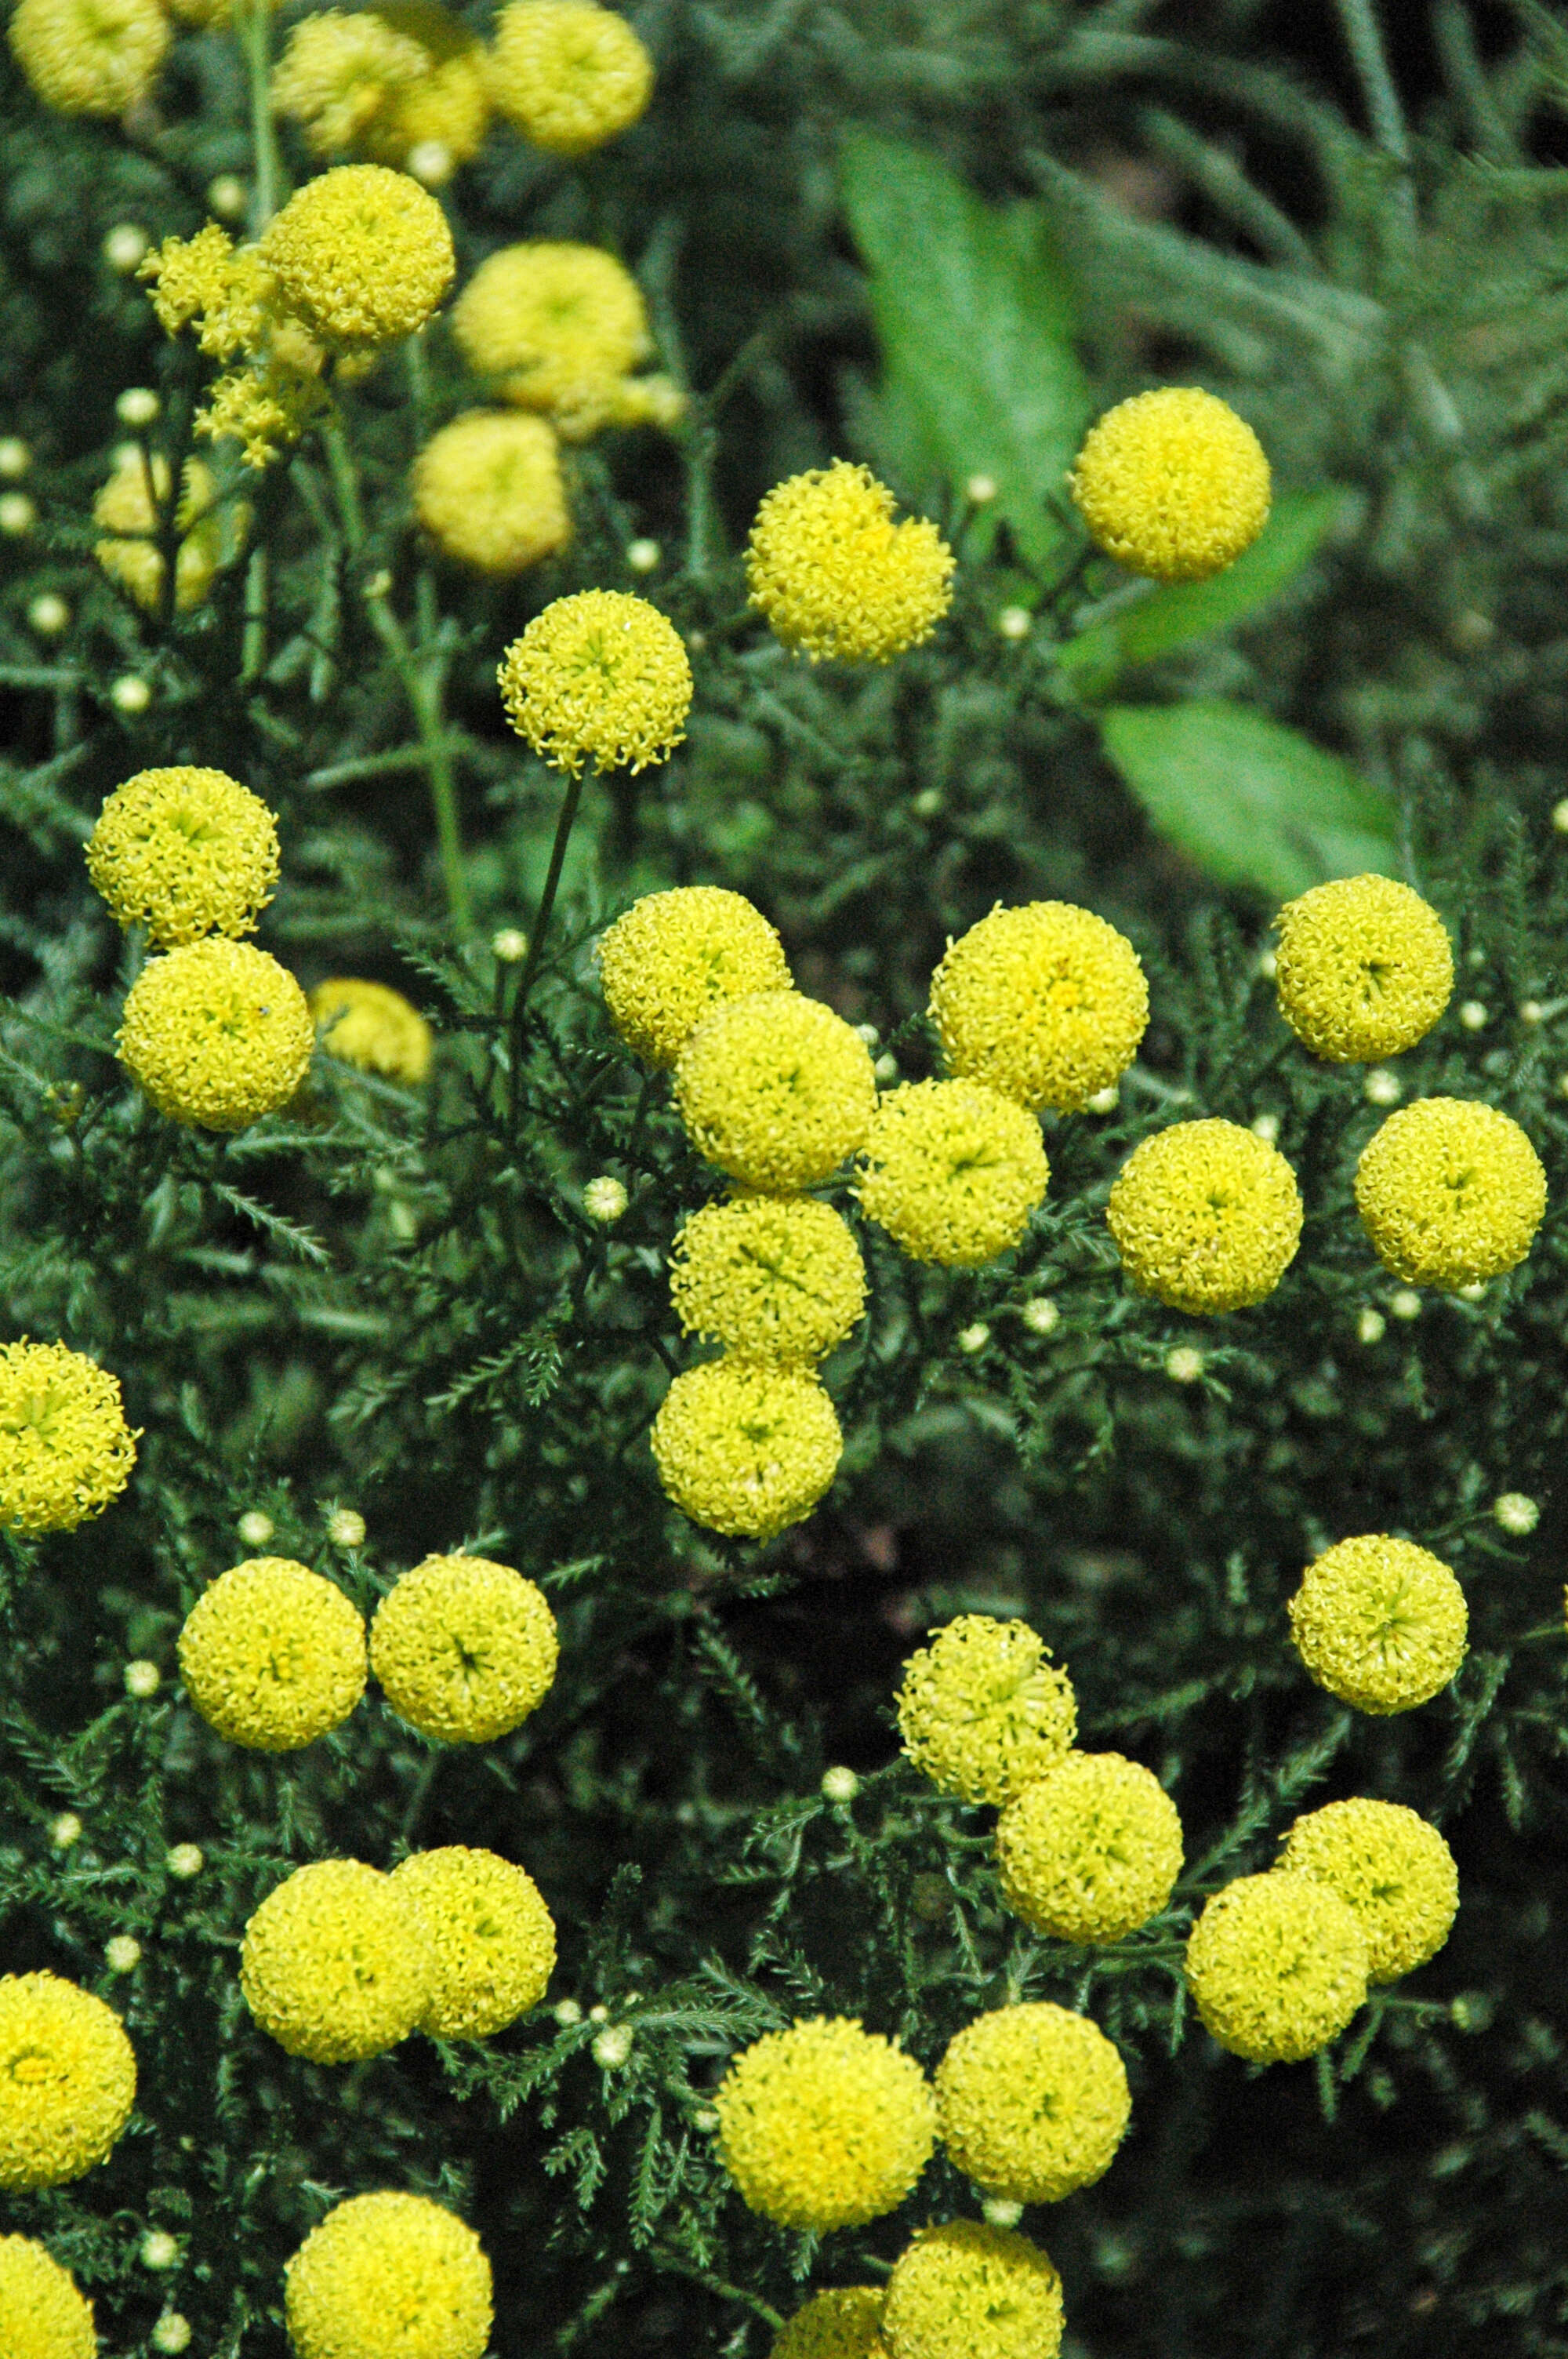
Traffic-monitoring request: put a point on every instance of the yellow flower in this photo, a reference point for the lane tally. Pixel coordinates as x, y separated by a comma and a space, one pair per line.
745, 1449
675, 956
1090, 1850
265, 407
1451, 1194
825, 2125
89, 57
338, 73
1206, 1215
1392, 1870
273, 1655
569, 75
372, 1027
969, 2291
204, 280
952, 1171
492, 1940
216, 1033
362, 255
128, 508
1046, 1003
464, 1648
1031, 2102
1364, 968
1379, 1622
982, 1711
560, 327
389, 2276
42, 2313
845, 2324
184, 853
771, 1277
598, 677
835, 576
68, 2081
488, 490
65, 1448
776, 1090
334, 1963
1277, 1966
1172, 484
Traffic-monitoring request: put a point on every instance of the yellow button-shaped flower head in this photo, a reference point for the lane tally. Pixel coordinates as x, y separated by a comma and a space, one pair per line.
845, 2324
464, 1648
1206, 1215
825, 2125
1365, 968
184, 853
1451, 1194
362, 254
217, 1034
776, 1090
968, 2292
68, 2081
488, 490
1277, 1966
599, 678
492, 1940
335, 1964
89, 57
1172, 484
568, 74
389, 2276
558, 326
1379, 1622
982, 1711
772, 1278
1090, 1850
676, 956
1392, 1870
273, 1655
372, 1027
1031, 2102
952, 1170
746, 1449
340, 76
1046, 1003
65, 1448
835, 576
43, 2313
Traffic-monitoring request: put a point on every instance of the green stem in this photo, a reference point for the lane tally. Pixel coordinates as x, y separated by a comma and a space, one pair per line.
536, 935
252, 26
254, 647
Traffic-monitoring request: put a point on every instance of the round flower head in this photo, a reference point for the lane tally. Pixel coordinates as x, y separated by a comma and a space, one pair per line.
362, 255
68, 2081
335, 1964
745, 1449
970, 2291
465, 1648
1392, 1870
273, 1655
42, 2313
1046, 1003
488, 490
1277, 1966
676, 956
389, 2276
1172, 484
569, 75
1379, 1622
845, 2324
89, 57
982, 1711
825, 2125
340, 76
558, 326
599, 677
216, 1033
184, 853
1451, 1194
1031, 2102
369, 1025
835, 576
771, 1278
776, 1090
65, 1448
952, 1171
1090, 1850
491, 1941
1364, 968
127, 507
1206, 1215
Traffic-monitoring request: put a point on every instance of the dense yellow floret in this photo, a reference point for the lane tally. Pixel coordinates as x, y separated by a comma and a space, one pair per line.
372, 1027
745, 1449
1277, 1966
1206, 1215
491, 1941
969, 2291
216, 1033
776, 1090
1090, 1850
65, 1448
465, 1648
43, 2313
1392, 1870
68, 2081
389, 2276
1379, 1622
273, 1655
1031, 2102
1046, 1003
89, 57
568, 74
362, 255
835, 576
1172, 484
982, 1711
365, 81
601, 677
843, 2323
206, 282
675, 956
825, 2125
560, 327
184, 853
127, 508
1364, 968
334, 1963
488, 490
771, 1278
264, 409
1451, 1194
952, 1170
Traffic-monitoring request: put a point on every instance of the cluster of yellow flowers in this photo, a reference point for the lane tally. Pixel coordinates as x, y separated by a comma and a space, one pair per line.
65, 1448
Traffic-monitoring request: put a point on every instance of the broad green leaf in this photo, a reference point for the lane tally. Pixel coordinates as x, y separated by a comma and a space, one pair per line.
1249, 800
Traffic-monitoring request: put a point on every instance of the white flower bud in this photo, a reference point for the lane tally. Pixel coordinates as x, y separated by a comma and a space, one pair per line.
160, 2250
228, 196
1266, 1126
510, 945
125, 246
980, 489
568, 2012
48, 614
604, 1199
1104, 1100
18, 514
65, 1831
1370, 1326
1559, 816
1015, 622
1040, 1315
346, 1527
1531, 1012
642, 556
1517, 1512
172, 2332
1268, 964
1379, 1087
15, 457
1405, 1303
122, 1955
840, 1785
185, 1861
130, 693
1184, 1365
431, 161
886, 1068
704, 2118
867, 1033
255, 1528
1474, 1015
1001, 2212
613, 2046
142, 1679
973, 1339
138, 406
